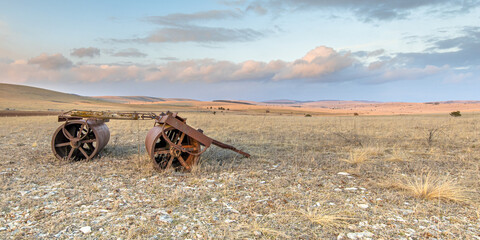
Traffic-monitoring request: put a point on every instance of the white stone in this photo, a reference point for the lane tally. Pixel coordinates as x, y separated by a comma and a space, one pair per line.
343, 174
165, 218
337, 190
213, 199
229, 221
363, 224
360, 235
363, 206
86, 229
351, 189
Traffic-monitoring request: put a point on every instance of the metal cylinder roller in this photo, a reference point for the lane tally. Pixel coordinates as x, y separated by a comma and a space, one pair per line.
165, 155
80, 139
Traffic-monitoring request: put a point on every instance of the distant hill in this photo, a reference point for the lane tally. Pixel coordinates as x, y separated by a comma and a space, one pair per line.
22, 97
140, 99
235, 102
130, 99
285, 101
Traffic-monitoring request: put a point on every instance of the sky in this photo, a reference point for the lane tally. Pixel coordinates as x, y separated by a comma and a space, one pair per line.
376, 50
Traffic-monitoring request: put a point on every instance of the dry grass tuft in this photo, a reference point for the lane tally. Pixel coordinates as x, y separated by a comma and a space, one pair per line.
432, 187
325, 218
397, 156
361, 155
267, 232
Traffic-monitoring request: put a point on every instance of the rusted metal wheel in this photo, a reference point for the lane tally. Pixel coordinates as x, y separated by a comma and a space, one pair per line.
80, 139
183, 152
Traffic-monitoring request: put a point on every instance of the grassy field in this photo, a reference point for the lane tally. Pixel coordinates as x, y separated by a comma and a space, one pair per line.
379, 177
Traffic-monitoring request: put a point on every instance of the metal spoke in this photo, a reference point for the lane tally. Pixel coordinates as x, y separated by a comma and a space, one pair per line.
67, 133
70, 153
181, 138
169, 164
88, 141
83, 152
162, 151
183, 162
62, 144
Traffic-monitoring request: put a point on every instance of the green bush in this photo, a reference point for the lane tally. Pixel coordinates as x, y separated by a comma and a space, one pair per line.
455, 114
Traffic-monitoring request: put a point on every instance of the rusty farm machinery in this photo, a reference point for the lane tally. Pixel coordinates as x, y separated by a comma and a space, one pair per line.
170, 143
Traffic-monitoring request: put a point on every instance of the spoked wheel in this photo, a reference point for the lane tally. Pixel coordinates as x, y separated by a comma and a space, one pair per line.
179, 151
79, 139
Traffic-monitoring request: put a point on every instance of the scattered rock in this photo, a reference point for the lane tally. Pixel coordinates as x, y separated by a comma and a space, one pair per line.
363, 205
165, 218
86, 230
360, 235
351, 189
343, 174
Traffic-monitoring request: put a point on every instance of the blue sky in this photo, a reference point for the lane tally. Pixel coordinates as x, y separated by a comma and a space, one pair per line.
249, 50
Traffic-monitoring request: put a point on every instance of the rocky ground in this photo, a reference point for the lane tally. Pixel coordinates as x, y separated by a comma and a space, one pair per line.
308, 178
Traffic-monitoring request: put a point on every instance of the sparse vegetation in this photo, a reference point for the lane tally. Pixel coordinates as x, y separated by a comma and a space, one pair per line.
456, 114
431, 187
294, 186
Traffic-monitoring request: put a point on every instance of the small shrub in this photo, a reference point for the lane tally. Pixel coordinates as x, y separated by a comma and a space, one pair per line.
267, 111
456, 114
431, 135
308, 115
355, 114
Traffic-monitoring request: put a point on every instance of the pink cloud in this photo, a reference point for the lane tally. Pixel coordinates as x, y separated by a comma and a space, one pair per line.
318, 65
56, 61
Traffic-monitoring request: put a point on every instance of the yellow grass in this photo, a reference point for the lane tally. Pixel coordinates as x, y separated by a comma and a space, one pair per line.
294, 163
361, 155
325, 218
431, 187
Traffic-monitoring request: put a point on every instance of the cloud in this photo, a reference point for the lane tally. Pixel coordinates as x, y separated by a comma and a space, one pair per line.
182, 19
256, 8
51, 62
460, 51
180, 27
130, 52
318, 62
322, 64
411, 73
373, 10
85, 52
169, 58
200, 34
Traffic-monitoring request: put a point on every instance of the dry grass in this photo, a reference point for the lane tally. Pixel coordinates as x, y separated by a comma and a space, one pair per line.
431, 187
289, 188
361, 155
326, 218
